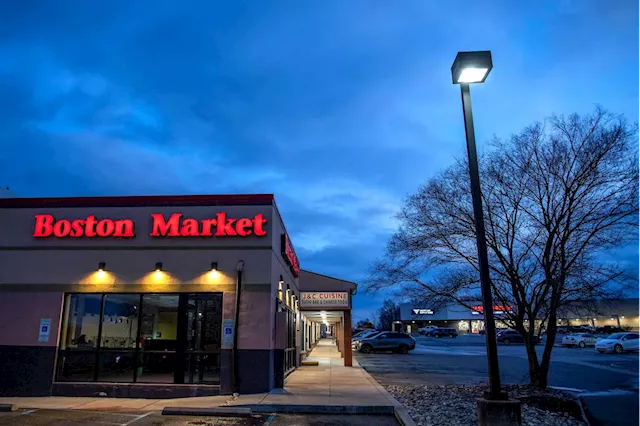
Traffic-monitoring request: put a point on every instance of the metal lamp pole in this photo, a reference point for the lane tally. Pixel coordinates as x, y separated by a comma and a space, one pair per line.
473, 67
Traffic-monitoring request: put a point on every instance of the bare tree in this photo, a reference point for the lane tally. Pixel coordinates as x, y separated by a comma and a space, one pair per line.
387, 314
556, 197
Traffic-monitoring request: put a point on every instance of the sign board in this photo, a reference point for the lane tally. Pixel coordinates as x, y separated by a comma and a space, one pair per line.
498, 310
45, 330
174, 226
422, 311
324, 299
289, 255
227, 332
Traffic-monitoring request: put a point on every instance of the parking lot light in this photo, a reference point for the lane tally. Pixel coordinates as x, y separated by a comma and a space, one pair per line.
474, 67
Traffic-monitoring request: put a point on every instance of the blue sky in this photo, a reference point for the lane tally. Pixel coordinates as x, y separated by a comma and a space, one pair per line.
339, 108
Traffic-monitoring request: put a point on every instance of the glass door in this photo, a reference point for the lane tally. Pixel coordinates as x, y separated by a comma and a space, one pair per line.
201, 349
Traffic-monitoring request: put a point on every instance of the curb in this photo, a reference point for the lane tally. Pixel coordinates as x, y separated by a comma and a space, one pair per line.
214, 411
319, 409
403, 417
401, 414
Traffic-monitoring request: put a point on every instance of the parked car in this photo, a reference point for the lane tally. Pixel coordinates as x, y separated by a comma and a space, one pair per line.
355, 340
427, 329
364, 333
581, 339
387, 341
511, 336
618, 343
587, 328
444, 332
608, 329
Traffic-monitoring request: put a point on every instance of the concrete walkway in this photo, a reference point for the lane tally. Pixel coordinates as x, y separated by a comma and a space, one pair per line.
329, 383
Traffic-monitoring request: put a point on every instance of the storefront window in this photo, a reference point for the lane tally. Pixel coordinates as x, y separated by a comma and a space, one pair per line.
79, 337
147, 338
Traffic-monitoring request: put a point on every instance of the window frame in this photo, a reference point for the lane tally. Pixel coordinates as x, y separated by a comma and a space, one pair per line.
97, 351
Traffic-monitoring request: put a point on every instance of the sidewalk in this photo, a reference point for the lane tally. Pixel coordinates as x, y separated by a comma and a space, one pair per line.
328, 384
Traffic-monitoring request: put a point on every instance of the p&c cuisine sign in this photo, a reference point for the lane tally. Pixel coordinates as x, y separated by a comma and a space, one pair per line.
324, 299
176, 225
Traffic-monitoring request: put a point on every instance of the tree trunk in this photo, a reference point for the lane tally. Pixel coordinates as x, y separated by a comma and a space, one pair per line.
534, 365
538, 378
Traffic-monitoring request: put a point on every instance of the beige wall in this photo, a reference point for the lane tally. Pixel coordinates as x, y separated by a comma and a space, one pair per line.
20, 315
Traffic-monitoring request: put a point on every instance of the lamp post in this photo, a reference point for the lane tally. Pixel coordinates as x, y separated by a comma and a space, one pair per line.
467, 68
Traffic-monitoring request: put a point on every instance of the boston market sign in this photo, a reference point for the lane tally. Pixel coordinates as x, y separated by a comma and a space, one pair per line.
175, 225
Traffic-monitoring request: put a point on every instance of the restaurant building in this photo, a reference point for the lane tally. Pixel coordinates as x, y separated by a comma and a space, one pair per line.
157, 296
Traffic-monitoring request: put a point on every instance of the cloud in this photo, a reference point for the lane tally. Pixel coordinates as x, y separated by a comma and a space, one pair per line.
339, 108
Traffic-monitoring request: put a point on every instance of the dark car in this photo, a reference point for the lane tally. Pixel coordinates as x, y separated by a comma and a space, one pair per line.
511, 336
388, 341
444, 332
608, 329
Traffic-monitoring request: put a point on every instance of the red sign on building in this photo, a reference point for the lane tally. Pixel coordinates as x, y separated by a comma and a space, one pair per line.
289, 255
176, 225
480, 308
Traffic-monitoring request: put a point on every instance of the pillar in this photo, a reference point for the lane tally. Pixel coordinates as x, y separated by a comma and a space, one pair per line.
348, 361
340, 328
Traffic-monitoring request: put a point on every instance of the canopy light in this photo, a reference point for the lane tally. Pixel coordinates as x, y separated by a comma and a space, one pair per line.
158, 266
214, 266
101, 266
471, 67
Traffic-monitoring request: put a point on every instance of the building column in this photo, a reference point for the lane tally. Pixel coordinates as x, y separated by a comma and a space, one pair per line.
348, 361
340, 328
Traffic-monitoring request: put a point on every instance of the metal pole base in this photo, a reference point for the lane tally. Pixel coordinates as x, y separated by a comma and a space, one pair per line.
499, 413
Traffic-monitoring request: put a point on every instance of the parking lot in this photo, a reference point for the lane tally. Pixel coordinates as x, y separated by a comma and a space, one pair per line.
462, 360
155, 418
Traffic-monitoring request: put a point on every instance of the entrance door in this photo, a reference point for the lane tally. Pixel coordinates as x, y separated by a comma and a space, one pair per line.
200, 328
290, 337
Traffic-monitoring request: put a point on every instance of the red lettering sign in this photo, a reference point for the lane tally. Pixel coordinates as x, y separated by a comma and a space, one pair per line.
175, 226
480, 308
289, 255
47, 226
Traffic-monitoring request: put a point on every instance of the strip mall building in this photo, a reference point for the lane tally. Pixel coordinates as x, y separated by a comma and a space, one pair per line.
157, 297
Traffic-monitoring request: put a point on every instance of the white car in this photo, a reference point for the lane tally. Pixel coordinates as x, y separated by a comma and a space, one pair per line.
580, 339
618, 343
427, 329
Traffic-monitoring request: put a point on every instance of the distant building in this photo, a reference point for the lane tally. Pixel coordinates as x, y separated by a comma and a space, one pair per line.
619, 313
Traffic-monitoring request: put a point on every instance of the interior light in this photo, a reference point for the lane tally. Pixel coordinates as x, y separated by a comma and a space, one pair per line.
622, 317
214, 266
472, 75
158, 266
101, 266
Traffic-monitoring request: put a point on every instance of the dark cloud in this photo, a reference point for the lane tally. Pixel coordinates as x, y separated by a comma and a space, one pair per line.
339, 108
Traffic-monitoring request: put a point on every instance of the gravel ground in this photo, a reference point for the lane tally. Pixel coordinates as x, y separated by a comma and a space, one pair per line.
456, 405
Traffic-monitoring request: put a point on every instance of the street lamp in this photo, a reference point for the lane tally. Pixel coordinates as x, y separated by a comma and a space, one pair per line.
467, 68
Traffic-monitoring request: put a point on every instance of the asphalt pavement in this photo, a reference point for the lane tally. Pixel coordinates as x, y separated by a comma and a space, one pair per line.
463, 361
155, 418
